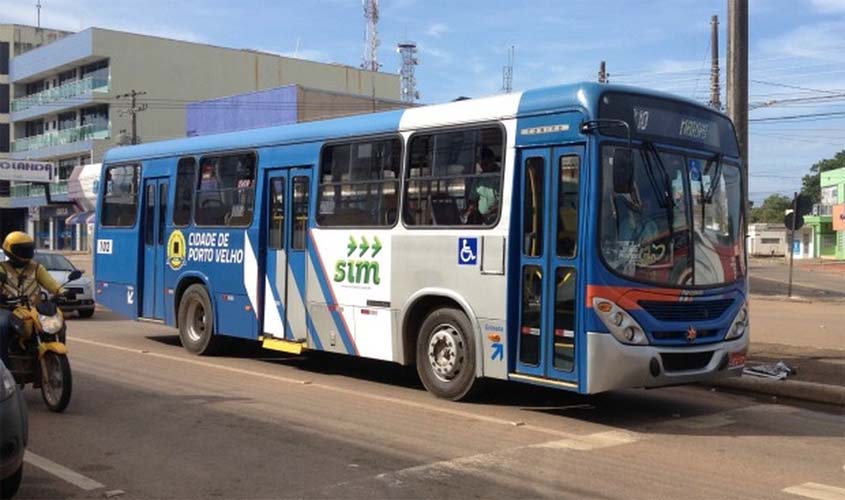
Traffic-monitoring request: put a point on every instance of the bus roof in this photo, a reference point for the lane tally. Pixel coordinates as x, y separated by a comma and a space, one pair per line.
583, 95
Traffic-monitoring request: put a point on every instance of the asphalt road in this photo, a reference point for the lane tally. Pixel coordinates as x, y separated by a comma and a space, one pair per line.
148, 420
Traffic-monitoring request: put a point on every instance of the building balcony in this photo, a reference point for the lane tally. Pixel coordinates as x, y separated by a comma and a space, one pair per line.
822, 210
34, 195
70, 95
62, 142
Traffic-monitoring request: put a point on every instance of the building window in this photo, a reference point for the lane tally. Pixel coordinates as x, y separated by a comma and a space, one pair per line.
770, 241
186, 173
454, 178
33, 128
4, 98
830, 195
359, 183
225, 191
94, 67
66, 168
4, 58
4, 137
67, 76
120, 196
67, 120
96, 116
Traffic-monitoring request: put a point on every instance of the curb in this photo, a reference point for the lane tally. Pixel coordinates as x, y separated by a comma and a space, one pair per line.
805, 391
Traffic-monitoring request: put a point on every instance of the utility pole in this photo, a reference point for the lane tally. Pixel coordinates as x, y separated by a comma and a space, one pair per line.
603, 72
38, 8
507, 73
738, 72
133, 110
715, 90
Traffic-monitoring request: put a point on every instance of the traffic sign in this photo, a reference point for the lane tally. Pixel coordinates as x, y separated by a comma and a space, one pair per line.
787, 221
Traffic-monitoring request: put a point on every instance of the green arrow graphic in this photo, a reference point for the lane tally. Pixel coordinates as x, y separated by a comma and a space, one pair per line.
376, 246
364, 246
351, 246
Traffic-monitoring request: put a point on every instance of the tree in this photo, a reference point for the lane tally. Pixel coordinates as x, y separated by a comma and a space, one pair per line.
772, 209
811, 183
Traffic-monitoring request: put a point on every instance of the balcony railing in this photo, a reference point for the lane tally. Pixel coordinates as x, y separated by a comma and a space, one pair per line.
37, 190
94, 82
821, 210
66, 136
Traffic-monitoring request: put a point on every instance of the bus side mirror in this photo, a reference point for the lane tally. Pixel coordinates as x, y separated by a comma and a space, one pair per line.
623, 170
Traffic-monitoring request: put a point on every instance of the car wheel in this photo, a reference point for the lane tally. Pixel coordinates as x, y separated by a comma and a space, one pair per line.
196, 322
10, 485
86, 313
446, 354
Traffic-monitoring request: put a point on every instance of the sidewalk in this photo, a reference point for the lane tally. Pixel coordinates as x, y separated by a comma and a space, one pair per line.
809, 337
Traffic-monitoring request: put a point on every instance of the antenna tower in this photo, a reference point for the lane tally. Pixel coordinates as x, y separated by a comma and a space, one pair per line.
408, 51
371, 41
507, 73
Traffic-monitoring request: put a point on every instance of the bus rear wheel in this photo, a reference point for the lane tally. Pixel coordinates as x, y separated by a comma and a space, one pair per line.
196, 322
446, 354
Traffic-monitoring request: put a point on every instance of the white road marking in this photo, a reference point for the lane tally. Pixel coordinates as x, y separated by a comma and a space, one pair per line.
817, 491
487, 462
62, 472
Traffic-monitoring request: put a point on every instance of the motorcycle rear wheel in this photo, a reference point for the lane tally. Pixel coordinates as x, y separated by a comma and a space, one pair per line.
56, 381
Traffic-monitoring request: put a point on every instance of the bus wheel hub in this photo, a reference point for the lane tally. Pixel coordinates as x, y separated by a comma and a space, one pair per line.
445, 352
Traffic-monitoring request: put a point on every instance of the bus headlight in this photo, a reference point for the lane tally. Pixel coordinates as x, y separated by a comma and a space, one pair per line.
622, 326
739, 325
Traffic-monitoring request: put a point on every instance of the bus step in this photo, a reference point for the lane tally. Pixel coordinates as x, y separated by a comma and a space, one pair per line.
287, 346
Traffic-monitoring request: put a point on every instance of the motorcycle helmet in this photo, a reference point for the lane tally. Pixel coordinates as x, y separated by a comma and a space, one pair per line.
19, 247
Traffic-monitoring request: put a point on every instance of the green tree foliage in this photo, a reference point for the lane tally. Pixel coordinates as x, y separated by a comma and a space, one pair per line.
811, 183
771, 210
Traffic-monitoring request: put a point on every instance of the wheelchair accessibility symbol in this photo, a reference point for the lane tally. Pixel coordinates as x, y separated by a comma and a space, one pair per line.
467, 251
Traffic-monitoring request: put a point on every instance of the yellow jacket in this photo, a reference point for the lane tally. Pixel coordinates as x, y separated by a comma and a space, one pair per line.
27, 280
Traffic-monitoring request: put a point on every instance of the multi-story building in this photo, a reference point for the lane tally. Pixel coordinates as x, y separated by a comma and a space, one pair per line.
69, 101
15, 39
828, 216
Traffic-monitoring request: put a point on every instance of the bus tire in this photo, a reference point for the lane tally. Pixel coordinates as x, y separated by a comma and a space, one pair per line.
446, 354
196, 322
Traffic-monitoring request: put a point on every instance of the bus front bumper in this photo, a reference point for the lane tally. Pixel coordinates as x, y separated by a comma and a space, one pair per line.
613, 365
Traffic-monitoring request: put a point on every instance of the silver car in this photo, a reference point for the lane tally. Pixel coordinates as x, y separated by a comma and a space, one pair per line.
59, 268
14, 432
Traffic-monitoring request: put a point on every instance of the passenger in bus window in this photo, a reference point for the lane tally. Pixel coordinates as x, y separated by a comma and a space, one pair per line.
483, 202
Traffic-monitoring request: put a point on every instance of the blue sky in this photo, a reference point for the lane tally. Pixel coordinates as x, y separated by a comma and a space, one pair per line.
463, 46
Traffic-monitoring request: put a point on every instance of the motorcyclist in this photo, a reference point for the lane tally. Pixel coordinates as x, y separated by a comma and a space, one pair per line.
24, 276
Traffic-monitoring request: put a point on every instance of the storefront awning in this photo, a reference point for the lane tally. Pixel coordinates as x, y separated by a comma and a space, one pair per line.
81, 218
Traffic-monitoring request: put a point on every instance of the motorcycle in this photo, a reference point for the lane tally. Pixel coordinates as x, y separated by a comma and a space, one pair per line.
37, 352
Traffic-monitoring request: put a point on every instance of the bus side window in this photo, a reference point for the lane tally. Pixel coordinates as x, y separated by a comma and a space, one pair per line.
120, 196
225, 191
455, 178
186, 171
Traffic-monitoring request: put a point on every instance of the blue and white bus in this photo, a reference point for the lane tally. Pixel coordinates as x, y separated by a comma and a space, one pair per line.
587, 237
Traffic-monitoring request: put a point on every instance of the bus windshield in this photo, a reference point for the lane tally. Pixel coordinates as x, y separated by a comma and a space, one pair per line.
681, 222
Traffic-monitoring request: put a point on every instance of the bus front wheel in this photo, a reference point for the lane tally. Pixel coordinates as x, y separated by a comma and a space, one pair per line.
196, 322
446, 354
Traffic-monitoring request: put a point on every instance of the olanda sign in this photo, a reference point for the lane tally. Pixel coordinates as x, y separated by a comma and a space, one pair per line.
26, 171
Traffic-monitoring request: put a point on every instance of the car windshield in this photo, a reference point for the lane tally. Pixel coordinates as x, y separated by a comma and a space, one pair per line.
679, 225
54, 262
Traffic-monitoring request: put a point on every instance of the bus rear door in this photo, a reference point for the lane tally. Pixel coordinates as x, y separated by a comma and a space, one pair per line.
284, 289
154, 253
548, 326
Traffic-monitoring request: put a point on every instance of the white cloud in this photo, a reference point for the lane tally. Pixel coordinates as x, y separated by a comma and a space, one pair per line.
437, 30
829, 6
821, 41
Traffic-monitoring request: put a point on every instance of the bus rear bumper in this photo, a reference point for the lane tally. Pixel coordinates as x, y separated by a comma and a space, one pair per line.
613, 365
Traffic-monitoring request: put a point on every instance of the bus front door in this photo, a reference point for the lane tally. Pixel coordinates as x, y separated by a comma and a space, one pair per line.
284, 288
549, 330
153, 226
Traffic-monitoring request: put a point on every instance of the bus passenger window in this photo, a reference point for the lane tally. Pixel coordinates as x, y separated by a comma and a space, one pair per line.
455, 178
225, 191
120, 196
185, 174
358, 184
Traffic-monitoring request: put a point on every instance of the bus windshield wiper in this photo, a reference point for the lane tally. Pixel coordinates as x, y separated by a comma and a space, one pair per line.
714, 181
666, 200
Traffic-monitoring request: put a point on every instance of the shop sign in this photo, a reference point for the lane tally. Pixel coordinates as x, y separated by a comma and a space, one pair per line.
26, 171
